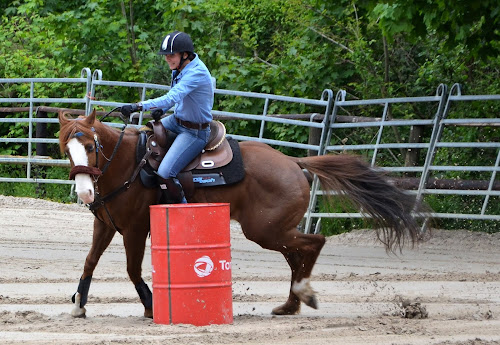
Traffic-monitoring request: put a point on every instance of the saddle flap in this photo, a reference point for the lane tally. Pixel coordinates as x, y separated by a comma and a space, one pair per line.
160, 133
157, 154
212, 159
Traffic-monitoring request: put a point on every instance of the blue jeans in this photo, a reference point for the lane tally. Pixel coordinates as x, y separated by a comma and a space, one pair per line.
188, 144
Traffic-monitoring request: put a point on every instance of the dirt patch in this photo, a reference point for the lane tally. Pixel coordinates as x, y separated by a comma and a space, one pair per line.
450, 285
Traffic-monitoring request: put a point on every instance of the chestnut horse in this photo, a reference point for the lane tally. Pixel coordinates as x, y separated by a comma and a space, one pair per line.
269, 203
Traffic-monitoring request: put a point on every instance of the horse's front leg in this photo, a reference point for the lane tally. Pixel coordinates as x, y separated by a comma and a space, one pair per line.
134, 240
101, 239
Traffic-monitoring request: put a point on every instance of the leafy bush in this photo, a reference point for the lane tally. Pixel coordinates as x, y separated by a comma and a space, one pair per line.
371, 49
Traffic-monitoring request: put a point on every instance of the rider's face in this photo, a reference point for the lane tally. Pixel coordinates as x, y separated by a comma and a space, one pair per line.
173, 60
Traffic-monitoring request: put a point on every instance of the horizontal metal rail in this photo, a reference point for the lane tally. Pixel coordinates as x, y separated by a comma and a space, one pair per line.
385, 121
431, 145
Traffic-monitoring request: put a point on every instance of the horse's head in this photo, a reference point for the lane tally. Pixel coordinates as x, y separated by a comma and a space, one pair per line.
78, 140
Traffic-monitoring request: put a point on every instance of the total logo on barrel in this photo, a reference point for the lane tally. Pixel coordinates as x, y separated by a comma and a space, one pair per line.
204, 266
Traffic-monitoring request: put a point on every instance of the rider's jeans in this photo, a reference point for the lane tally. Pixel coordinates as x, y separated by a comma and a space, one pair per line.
186, 146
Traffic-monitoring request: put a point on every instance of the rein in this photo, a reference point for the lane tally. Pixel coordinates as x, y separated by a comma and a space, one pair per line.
123, 118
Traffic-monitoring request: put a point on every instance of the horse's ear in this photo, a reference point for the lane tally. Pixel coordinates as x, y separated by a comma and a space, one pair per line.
62, 118
91, 118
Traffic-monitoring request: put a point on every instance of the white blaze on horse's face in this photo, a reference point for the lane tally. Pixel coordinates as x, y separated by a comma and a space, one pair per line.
84, 185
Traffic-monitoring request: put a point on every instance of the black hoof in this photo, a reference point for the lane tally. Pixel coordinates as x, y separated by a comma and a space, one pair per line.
312, 302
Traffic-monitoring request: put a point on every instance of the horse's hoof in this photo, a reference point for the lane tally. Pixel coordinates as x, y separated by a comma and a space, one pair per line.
286, 309
312, 302
78, 312
148, 313
306, 294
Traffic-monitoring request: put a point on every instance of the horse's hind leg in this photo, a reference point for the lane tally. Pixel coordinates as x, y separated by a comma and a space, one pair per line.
101, 238
292, 305
301, 252
135, 243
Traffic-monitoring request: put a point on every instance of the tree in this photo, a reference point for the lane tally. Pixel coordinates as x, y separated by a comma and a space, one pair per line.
473, 24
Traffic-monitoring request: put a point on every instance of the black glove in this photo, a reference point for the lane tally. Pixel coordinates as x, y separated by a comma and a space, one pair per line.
157, 114
128, 109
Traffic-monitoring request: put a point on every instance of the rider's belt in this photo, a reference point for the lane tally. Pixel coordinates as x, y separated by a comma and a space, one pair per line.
192, 125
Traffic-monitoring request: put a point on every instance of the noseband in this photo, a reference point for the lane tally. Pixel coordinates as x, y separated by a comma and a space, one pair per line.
83, 169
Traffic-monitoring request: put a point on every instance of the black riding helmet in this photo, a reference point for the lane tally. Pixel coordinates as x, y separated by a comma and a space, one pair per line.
176, 42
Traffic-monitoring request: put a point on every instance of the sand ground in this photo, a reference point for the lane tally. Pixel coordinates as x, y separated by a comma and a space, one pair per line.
362, 292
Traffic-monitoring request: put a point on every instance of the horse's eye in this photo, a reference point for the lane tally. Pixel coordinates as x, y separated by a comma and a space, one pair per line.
89, 148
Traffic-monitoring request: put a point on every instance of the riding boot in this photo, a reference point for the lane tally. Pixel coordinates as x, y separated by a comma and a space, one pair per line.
174, 190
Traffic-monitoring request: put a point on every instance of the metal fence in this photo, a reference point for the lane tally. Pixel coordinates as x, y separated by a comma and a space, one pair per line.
390, 132
33, 100
442, 136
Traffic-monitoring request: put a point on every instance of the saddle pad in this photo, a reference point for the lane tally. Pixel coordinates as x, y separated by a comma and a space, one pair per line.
233, 172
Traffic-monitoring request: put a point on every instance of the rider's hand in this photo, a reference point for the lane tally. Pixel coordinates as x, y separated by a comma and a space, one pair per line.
156, 114
128, 109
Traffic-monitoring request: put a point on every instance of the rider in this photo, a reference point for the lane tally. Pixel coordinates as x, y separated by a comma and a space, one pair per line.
192, 92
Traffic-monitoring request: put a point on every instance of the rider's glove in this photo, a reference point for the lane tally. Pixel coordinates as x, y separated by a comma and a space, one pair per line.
128, 109
156, 114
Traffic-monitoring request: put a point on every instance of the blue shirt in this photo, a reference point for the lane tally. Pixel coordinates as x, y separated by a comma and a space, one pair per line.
192, 91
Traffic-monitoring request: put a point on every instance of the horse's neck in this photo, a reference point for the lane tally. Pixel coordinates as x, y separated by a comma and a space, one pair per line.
122, 163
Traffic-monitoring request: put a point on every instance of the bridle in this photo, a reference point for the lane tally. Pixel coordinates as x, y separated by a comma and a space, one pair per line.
96, 172
84, 169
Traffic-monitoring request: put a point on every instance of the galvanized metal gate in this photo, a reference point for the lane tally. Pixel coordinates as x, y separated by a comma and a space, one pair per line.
442, 119
323, 115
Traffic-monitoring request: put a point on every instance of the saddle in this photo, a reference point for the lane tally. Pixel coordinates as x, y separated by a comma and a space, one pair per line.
219, 163
215, 154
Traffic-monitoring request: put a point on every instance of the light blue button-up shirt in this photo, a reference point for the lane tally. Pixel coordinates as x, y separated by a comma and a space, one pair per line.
192, 91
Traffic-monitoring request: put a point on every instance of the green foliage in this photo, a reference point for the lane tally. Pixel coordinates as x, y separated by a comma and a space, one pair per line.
465, 204
336, 226
55, 192
472, 24
370, 48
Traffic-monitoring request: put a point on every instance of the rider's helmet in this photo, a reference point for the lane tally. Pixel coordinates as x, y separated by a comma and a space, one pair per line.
176, 42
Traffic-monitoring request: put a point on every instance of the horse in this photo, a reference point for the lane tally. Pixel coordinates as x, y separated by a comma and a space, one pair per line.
269, 203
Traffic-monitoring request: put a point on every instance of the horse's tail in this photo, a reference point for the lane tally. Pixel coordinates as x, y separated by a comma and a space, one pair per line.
368, 189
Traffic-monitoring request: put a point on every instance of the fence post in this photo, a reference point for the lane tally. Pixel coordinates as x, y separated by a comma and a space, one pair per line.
443, 108
325, 137
412, 155
41, 150
97, 75
41, 132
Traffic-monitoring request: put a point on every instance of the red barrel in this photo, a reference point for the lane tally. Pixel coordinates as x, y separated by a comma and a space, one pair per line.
191, 258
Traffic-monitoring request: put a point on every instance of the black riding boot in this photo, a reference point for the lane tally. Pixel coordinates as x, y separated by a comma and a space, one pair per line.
174, 192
